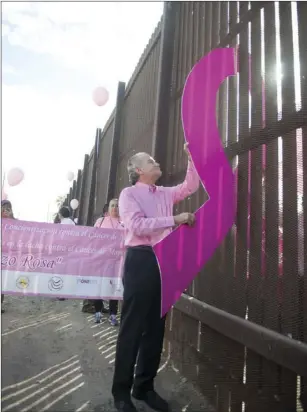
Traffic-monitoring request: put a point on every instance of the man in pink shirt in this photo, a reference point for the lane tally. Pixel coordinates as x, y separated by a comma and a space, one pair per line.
146, 211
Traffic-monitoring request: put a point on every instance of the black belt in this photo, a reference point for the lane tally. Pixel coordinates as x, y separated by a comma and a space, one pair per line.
141, 247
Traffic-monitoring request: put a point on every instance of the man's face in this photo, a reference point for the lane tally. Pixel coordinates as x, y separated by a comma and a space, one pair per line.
149, 168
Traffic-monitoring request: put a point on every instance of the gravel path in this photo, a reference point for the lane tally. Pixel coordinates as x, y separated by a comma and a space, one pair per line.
55, 358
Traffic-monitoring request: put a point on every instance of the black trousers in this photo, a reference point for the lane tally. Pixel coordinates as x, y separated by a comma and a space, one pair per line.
113, 306
141, 330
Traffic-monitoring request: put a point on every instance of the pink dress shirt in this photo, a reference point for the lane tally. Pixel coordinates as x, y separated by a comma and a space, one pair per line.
147, 211
109, 222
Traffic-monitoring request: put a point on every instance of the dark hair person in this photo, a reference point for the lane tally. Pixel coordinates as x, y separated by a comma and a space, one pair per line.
6, 209
110, 220
64, 215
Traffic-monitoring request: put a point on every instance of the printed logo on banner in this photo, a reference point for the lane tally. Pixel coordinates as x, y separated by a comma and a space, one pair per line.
23, 282
87, 281
55, 283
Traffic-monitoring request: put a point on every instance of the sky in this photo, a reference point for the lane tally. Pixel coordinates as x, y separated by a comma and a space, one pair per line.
54, 54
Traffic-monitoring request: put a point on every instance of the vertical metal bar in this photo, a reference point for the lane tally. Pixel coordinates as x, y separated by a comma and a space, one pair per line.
82, 191
161, 120
70, 196
243, 168
175, 131
73, 196
89, 220
74, 189
78, 190
290, 279
115, 141
98, 160
255, 280
241, 268
302, 34
271, 309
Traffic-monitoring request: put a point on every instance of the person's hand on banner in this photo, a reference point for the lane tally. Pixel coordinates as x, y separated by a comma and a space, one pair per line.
187, 151
185, 219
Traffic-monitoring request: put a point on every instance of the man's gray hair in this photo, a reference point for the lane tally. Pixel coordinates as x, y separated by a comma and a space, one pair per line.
132, 166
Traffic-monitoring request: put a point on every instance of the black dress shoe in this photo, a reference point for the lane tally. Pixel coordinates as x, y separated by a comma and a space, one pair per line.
153, 400
125, 406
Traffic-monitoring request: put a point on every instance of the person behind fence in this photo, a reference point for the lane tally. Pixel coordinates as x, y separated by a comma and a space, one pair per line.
6, 213
110, 220
64, 215
146, 211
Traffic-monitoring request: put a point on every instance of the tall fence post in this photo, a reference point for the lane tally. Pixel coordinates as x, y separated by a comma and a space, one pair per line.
115, 140
78, 192
89, 220
82, 191
162, 109
69, 196
98, 153
74, 189
74, 195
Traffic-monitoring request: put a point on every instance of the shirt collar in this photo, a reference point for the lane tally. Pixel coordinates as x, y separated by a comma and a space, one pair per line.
151, 188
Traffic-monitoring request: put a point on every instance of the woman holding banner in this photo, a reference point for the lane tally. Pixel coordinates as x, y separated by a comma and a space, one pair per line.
110, 220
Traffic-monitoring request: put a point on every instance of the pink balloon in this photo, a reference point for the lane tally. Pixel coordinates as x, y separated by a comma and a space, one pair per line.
4, 196
100, 96
15, 176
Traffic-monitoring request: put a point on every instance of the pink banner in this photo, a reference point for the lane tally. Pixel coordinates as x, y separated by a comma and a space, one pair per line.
61, 260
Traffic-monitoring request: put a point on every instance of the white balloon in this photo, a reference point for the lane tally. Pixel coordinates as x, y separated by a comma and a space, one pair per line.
70, 176
74, 204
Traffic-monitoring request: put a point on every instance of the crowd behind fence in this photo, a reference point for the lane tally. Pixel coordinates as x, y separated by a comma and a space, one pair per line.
240, 330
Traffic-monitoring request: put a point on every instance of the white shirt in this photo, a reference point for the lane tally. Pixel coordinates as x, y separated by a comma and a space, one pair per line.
67, 221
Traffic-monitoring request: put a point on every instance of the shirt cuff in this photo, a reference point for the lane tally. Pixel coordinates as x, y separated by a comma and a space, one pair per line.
170, 221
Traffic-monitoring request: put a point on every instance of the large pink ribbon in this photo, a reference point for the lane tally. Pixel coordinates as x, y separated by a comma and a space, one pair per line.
183, 253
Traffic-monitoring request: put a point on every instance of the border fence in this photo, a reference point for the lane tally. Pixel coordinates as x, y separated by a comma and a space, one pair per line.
240, 330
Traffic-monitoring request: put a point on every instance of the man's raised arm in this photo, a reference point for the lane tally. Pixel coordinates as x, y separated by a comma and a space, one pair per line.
190, 184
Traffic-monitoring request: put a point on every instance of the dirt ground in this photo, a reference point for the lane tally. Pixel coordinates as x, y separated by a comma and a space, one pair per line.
55, 358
